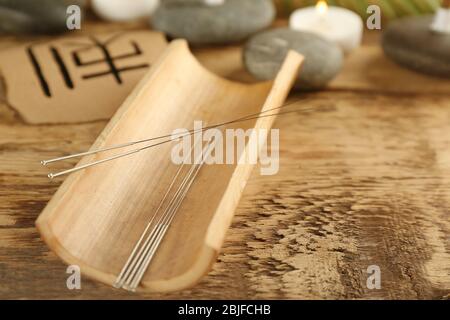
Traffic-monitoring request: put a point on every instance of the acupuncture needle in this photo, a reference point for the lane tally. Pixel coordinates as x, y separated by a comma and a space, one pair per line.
130, 265
154, 239
127, 144
126, 269
91, 164
155, 235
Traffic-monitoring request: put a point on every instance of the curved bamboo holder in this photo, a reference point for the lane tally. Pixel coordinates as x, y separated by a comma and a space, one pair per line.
97, 215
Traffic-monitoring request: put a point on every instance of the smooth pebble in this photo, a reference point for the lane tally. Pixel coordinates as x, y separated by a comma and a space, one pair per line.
216, 23
411, 43
265, 53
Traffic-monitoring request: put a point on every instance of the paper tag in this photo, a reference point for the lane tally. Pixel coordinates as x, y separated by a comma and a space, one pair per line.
77, 79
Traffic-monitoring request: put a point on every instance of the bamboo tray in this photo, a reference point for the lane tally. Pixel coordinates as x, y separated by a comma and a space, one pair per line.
97, 215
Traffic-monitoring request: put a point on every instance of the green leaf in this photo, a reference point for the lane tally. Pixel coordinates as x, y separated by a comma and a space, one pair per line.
360, 6
387, 9
423, 6
405, 7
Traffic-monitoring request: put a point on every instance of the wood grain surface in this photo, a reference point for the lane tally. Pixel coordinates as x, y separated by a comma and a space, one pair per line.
365, 184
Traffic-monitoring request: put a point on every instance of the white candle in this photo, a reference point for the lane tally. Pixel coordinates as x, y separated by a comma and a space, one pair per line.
339, 25
214, 2
119, 10
441, 23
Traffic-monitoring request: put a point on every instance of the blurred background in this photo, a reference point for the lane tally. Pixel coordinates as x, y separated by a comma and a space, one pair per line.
49, 16
391, 8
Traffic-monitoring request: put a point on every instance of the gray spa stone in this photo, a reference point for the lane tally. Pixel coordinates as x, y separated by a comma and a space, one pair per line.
235, 20
31, 16
265, 52
410, 43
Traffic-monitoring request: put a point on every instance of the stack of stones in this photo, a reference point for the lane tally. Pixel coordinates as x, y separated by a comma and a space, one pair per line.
214, 22
265, 53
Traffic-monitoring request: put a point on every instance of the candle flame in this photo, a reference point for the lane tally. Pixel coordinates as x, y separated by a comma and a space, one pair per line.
322, 7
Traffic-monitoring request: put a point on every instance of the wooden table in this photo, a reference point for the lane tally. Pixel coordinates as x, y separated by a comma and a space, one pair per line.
366, 184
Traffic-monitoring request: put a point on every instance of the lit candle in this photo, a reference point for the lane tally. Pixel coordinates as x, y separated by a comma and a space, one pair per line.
339, 25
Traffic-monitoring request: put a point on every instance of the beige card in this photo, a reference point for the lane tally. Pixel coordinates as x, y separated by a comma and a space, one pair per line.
77, 79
